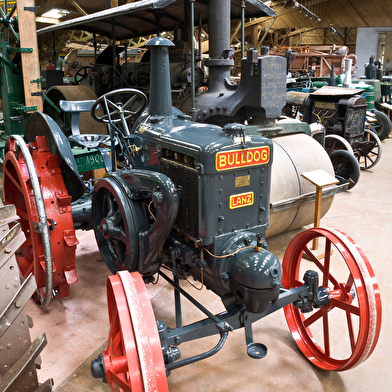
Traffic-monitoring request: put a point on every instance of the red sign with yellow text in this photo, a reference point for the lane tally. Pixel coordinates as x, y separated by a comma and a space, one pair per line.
242, 158
241, 200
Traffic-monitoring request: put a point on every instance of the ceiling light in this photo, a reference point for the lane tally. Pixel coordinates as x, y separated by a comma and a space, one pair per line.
55, 13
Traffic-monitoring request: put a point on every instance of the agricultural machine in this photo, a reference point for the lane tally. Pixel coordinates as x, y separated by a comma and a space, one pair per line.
181, 198
187, 195
340, 115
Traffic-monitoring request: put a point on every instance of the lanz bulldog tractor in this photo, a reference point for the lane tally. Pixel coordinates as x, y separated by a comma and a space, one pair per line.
192, 199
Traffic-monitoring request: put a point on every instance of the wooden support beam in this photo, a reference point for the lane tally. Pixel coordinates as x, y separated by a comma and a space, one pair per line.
78, 7
30, 61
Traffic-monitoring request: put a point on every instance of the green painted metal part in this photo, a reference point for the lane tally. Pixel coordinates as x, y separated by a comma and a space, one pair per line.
87, 159
15, 113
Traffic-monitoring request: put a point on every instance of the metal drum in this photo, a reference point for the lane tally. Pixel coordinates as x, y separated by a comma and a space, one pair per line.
293, 155
63, 120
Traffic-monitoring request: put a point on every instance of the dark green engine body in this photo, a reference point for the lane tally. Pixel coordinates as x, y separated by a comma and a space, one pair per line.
223, 176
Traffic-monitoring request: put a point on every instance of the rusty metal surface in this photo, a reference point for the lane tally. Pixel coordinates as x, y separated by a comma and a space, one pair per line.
19, 376
334, 91
17, 355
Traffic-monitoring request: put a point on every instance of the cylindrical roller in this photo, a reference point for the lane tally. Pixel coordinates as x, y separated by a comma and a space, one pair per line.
297, 98
293, 155
73, 93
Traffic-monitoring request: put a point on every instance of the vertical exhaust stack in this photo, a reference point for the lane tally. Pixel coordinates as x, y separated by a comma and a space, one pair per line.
347, 72
160, 89
219, 62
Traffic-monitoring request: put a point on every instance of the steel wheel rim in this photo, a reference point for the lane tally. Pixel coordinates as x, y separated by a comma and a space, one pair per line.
363, 329
336, 142
372, 157
133, 335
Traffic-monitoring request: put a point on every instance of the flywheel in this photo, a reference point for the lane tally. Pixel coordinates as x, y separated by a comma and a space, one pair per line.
117, 221
33, 182
343, 333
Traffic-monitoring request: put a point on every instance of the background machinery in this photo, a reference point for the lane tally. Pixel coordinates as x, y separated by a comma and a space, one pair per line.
341, 114
192, 198
222, 102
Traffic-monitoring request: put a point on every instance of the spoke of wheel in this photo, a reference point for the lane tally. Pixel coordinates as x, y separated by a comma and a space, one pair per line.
370, 159
129, 112
105, 202
118, 233
115, 344
313, 318
113, 105
120, 382
326, 332
130, 101
113, 327
350, 281
345, 306
312, 256
327, 276
351, 332
327, 262
117, 218
14, 180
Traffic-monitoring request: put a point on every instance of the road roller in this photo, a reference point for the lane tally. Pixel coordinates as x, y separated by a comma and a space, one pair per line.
182, 199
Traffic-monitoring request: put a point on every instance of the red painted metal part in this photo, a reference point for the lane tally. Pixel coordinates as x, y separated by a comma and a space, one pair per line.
344, 333
133, 357
18, 191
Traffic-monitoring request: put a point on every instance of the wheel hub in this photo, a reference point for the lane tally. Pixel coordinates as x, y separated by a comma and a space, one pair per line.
103, 228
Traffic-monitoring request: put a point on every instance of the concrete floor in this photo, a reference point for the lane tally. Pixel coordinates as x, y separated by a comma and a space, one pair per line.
77, 327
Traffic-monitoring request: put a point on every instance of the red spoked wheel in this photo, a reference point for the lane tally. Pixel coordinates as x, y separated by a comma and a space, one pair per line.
344, 333
133, 357
33, 182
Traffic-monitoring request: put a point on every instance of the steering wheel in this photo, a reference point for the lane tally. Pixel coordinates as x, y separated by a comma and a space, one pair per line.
134, 103
82, 73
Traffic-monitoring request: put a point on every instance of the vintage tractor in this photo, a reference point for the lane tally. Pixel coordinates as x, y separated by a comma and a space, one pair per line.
193, 199
341, 113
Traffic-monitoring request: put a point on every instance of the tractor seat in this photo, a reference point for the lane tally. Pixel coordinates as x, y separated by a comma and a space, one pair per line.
98, 141
75, 108
91, 141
